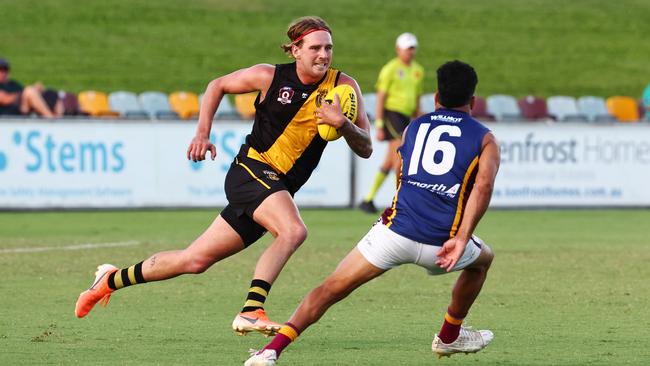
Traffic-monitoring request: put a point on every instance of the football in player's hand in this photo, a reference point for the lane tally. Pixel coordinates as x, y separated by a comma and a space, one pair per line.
349, 105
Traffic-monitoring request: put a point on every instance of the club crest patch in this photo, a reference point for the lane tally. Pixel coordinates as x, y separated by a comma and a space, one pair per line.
285, 95
320, 97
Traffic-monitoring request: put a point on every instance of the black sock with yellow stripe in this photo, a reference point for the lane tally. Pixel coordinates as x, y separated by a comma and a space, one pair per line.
256, 295
126, 277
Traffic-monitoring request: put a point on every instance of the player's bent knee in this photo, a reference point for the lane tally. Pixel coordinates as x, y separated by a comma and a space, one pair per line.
295, 235
489, 254
197, 265
484, 260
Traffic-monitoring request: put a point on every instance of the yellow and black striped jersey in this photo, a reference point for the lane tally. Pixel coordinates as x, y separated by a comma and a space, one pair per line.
285, 134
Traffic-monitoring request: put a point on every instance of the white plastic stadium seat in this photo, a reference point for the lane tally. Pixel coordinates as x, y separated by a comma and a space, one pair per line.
503, 107
564, 108
594, 109
126, 103
156, 105
427, 103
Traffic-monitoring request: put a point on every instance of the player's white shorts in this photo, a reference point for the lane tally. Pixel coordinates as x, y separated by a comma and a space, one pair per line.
386, 249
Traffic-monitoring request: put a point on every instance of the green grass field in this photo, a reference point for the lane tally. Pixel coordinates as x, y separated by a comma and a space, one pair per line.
542, 47
567, 287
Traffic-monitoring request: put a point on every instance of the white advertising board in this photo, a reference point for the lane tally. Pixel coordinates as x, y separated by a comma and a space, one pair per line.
573, 165
557, 165
135, 164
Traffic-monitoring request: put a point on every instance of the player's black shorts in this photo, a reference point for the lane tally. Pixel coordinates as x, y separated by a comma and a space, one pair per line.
394, 124
248, 183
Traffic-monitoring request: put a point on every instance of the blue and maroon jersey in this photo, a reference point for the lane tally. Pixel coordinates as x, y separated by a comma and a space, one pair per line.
439, 159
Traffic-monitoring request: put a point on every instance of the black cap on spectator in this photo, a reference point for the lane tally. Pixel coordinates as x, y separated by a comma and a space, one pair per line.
4, 64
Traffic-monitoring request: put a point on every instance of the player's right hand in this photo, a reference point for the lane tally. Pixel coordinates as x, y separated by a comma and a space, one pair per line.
199, 147
450, 253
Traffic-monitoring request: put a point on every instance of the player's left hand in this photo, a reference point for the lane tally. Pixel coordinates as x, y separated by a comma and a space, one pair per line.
199, 147
450, 253
331, 114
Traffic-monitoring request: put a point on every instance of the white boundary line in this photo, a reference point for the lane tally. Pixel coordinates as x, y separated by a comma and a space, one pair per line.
71, 247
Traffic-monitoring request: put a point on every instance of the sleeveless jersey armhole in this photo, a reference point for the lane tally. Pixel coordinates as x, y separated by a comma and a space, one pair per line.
259, 102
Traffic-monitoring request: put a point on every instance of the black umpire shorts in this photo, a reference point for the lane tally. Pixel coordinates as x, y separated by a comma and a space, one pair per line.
248, 183
394, 124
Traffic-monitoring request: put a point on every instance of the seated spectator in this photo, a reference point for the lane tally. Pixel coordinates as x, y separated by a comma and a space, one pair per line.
18, 100
646, 102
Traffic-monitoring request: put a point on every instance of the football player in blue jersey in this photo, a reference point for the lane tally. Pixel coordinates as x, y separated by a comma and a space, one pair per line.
449, 164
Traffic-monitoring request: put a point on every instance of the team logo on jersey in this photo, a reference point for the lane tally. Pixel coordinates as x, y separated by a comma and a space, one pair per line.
271, 175
285, 95
320, 96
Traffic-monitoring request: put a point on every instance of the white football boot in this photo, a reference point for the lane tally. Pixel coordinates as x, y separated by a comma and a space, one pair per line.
468, 341
266, 357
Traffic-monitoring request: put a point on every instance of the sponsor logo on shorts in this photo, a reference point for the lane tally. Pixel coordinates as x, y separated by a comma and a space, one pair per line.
271, 175
285, 95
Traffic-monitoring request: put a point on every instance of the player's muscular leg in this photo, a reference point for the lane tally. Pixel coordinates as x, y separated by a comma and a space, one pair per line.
219, 241
470, 282
351, 273
279, 215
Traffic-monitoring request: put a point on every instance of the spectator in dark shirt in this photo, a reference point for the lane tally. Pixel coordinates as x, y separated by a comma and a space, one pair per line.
18, 100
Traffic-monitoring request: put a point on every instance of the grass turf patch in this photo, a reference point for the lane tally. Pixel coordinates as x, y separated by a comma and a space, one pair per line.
567, 287
542, 47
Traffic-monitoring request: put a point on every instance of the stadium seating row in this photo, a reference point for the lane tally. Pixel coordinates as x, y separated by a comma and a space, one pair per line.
503, 108
152, 104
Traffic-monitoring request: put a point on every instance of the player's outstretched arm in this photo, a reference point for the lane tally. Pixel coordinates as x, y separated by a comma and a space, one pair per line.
254, 78
477, 203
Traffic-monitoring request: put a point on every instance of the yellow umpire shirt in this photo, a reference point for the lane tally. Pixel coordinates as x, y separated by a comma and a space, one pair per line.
402, 85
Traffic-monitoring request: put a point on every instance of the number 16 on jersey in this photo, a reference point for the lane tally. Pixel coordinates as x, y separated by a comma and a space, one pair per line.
426, 151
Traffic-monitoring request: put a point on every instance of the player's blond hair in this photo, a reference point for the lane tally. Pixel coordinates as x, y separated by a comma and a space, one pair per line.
300, 27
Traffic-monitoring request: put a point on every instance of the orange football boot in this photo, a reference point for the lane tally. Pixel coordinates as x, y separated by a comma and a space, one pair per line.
99, 291
255, 321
